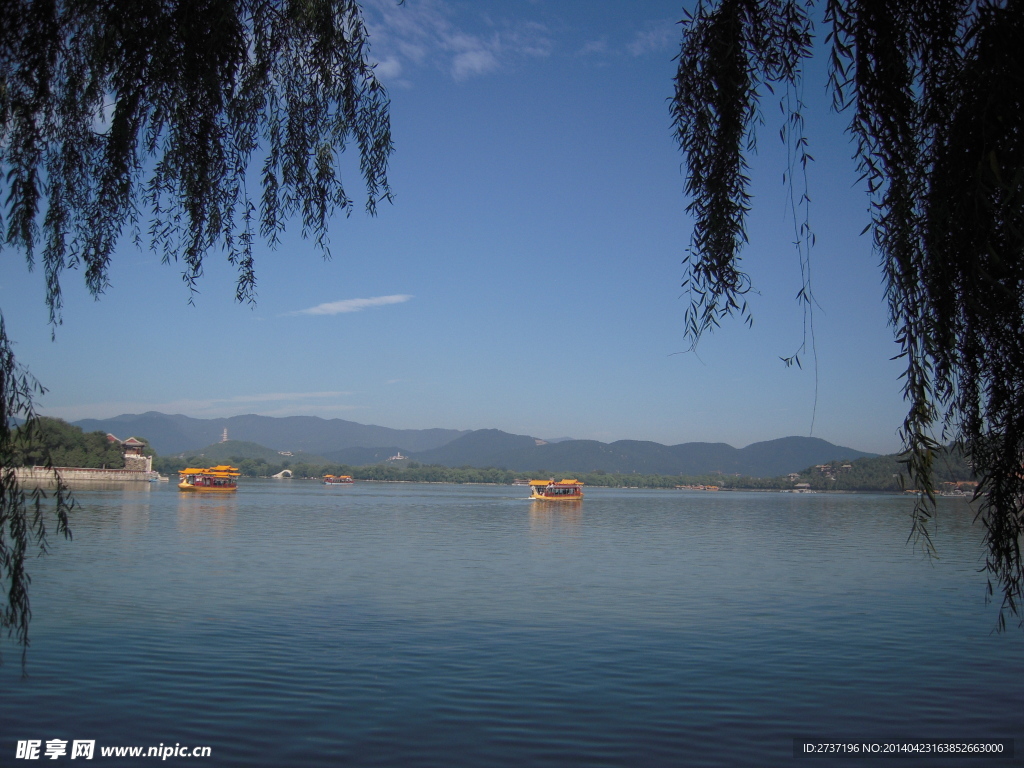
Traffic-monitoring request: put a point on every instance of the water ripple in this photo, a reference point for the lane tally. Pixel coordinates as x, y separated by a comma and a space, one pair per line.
408, 625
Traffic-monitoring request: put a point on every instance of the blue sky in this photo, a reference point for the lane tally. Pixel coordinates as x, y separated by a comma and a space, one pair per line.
527, 276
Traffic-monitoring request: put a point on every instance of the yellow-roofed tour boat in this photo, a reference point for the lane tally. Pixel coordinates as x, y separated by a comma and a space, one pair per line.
219, 479
338, 480
549, 490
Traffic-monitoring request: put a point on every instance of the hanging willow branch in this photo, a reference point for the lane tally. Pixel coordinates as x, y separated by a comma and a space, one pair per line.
935, 90
153, 119
22, 518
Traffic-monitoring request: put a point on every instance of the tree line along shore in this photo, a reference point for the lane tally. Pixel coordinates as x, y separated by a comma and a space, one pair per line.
68, 446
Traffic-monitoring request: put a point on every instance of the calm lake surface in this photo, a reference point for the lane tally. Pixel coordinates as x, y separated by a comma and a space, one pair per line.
295, 624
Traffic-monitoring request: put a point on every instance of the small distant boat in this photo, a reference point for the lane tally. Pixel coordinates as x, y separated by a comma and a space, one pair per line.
219, 479
564, 490
338, 480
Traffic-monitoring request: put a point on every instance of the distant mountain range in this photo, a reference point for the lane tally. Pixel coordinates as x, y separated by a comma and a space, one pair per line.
491, 448
347, 442
310, 434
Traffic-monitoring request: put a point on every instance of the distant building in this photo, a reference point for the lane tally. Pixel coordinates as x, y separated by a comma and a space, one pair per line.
224, 437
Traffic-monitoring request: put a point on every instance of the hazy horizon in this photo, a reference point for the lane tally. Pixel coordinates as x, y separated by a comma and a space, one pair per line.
549, 439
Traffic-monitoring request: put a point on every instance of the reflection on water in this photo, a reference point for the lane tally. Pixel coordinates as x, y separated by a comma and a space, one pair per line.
548, 516
124, 505
125, 489
135, 513
201, 512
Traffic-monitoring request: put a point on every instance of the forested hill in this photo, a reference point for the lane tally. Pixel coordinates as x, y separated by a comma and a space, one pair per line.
883, 473
68, 446
492, 448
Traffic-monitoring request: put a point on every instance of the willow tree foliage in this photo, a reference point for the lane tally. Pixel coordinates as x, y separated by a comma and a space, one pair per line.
935, 94
184, 126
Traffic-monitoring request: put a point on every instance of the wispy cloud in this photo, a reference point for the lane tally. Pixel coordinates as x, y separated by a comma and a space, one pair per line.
326, 409
654, 38
389, 68
473, 62
352, 305
278, 396
593, 47
424, 34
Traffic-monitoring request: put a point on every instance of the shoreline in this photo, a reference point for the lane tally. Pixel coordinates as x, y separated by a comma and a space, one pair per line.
39, 477
616, 487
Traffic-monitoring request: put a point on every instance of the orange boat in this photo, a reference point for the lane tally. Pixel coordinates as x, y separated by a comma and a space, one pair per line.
219, 479
549, 490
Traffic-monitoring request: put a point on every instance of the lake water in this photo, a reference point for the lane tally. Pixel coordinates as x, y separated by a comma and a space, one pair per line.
294, 624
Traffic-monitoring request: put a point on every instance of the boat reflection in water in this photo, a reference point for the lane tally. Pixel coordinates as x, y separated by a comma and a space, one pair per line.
202, 513
555, 518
